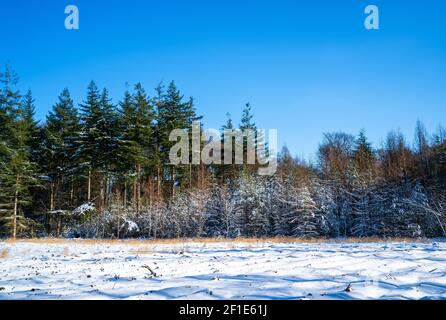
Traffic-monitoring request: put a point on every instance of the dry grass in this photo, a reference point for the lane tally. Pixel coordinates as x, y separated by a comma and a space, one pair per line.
4, 253
146, 250
143, 250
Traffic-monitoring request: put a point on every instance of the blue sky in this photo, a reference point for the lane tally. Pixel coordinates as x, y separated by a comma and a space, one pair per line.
307, 67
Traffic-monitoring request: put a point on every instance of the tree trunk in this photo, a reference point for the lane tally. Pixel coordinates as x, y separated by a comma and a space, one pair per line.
190, 176
118, 200
149, 191
125, 195
59, 225
89, 186
16, 205
71, 195
173, 181
101, 196
158, 190
134, 194
201, 175
138, 188
52, 197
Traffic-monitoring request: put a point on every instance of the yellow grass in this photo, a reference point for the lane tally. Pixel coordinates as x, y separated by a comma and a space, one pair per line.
143, 250
4, 253
206, 241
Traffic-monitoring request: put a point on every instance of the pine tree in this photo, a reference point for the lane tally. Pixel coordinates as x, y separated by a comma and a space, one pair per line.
303, 214
89, 148
363, 154
107, 145
9, 104
298, 214
226, 173
363, 158
99, 141
60, 151
249, 129
18, 174
173, 113
247, 119
33, 125
251, 206
219, 213
136, 148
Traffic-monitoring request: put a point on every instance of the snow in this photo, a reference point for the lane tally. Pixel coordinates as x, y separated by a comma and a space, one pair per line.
83, 209
130, 226
223, 270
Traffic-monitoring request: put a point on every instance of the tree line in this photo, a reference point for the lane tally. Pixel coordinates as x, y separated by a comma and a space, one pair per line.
103, 170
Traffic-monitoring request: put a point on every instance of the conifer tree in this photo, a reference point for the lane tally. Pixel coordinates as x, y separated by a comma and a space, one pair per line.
226, 173
304, 219
363, 159
247, 125
60, 150
173, 113
99, 141
34, 130
18, 174
107, 146
363, 154
136, 148
89, 139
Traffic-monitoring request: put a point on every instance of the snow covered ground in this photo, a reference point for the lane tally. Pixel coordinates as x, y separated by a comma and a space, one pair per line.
263, 270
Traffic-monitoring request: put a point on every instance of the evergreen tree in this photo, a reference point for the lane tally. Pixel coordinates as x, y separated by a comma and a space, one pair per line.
9, 104
303, 217
363, 153
33, 125
108, 145
251, 206
219, 213
173, 113
60, 150
247, 119
99, 141
249, 129
136, 148
90, 135
363, 158
18, 174
226, 173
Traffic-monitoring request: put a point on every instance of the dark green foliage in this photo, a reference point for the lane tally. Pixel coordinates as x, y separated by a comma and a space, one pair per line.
59, 154
18, 174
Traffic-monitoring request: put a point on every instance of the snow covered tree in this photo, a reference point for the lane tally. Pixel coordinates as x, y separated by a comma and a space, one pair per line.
298, 213
250, 207
219, 213
362, 187
304, 219
323, 195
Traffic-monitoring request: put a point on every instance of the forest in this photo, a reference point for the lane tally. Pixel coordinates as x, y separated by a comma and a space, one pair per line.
100, 170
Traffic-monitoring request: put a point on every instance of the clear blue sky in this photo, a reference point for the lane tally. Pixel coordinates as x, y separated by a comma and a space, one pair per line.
307, 67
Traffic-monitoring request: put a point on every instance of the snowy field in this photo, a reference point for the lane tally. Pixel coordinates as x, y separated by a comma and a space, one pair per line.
232, 270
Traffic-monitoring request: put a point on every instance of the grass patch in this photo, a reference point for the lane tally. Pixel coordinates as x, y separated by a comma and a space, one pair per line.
4, 253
